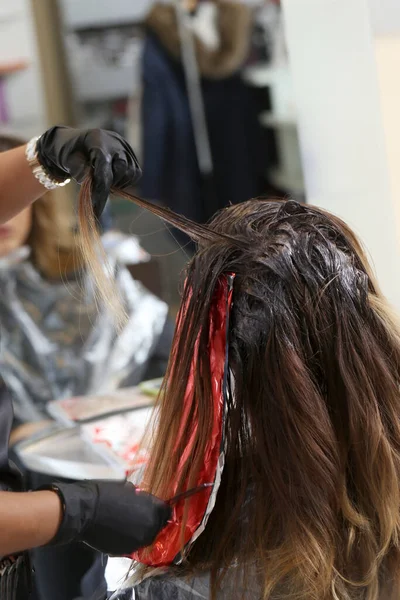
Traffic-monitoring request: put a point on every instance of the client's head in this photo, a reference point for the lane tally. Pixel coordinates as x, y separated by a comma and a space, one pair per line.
310, 490
45, 226
310, 493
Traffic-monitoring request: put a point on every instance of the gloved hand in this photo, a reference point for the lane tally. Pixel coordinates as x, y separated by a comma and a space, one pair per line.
113, 517
65, 152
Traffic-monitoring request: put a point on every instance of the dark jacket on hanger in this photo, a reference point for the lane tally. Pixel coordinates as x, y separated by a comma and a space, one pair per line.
171, 173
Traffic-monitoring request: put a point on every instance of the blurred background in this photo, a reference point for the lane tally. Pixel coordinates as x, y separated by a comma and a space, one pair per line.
281, 98
211, 113
222, 100
269, 74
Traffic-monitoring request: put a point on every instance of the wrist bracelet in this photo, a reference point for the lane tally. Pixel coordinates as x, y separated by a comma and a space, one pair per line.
37, 169
59, 538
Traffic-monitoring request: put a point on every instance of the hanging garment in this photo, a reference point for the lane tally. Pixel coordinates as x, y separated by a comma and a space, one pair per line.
56, 342
222, 35
171, 172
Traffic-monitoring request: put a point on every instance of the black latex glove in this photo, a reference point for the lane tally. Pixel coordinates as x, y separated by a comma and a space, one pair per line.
66, 152
110, 516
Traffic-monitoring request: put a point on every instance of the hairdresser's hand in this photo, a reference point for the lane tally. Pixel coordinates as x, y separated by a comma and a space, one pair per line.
66, 152
113, 517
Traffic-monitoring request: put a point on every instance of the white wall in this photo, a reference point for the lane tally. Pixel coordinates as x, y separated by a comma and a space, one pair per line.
387, 52
23, 89
342, 123
385, 16
385, 19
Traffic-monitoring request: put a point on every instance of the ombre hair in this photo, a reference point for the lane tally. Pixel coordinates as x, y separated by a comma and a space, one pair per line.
309, 499
55, 247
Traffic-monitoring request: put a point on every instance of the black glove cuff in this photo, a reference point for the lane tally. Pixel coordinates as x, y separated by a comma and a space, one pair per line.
79, 503
51, 168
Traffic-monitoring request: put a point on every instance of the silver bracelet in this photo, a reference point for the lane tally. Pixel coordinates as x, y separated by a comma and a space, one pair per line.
37, 169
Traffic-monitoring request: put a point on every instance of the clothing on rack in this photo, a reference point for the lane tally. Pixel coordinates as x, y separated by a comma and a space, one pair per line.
171, 172
218, 58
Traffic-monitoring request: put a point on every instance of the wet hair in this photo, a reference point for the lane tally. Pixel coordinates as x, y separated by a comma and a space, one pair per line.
309, 499
55, 249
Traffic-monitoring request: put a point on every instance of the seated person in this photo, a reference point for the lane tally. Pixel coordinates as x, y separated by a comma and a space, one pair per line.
56, 343
308, 506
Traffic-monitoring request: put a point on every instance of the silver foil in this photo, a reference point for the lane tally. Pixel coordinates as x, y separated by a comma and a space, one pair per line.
56, 342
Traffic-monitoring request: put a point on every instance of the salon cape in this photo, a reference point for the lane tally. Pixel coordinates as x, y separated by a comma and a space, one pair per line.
56, 342
170, 587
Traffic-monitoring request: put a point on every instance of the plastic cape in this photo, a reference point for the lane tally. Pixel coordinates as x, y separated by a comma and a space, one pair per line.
167, 547
56, 342
171, 587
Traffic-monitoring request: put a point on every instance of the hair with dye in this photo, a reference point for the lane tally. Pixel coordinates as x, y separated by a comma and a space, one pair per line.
309, 499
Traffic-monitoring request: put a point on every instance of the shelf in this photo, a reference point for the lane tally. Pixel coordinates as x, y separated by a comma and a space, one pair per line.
263, 75
9, 11
9, 68
94, 14
279, 82
269, 119
99, 84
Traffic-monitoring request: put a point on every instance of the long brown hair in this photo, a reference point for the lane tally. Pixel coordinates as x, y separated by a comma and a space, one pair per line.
309, 500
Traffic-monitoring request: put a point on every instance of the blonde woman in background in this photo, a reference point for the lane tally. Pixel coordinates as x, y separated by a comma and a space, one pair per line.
58, 342
38, 327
